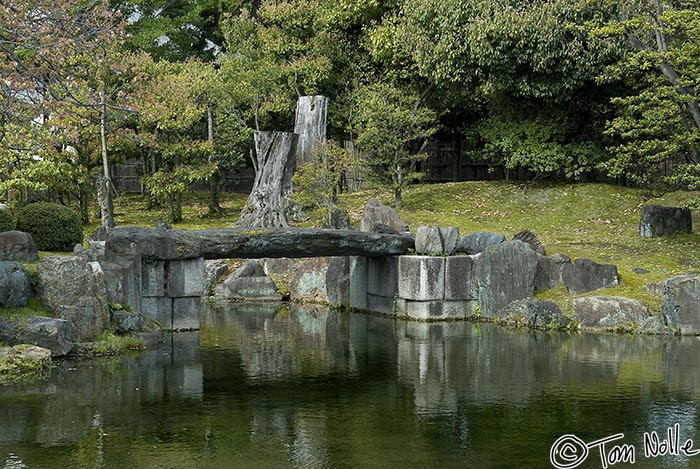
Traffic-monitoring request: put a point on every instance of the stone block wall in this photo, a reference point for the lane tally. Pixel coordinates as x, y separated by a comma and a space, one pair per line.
418, 287
171, 291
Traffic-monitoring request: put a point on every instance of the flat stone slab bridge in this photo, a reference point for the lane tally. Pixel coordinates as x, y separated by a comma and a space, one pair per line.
160, 272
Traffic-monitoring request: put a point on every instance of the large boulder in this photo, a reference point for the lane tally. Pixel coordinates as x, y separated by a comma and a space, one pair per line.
18, 246
129, 322
214, 271
21, 359
584, 275
253, 288
377, 213
538, 314
250, 268
656, 220
15, 286
74, 290
505, 273
477, 242
549, 271
50, 333
681, 303
433, 240
321, 280
609, 312
655, 325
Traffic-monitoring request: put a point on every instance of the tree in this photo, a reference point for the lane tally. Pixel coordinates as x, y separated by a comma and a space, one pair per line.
392, 130
657, 121
172, 122
61, 56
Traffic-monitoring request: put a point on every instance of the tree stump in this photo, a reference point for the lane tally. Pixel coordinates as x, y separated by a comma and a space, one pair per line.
269, 204
310, 124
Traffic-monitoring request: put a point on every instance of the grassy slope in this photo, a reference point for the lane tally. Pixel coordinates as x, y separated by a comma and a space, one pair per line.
594, 221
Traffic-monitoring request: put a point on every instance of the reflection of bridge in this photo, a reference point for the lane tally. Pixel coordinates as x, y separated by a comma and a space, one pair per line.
161, 272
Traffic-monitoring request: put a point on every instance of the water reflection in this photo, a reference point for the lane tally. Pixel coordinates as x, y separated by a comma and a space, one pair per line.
303, 387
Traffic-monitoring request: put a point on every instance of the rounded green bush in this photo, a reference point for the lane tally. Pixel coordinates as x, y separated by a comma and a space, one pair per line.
54, 227
7, 221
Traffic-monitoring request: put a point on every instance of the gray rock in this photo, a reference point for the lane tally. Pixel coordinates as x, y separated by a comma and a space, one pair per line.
97, 248
505, 273
656, 220
321, 280
254, 288
18, 246
538, 314
527, 236
123, 282
681, 303
382, 276
251, 243
4, 208
375, 212
74, 290
654, 325
49, 333
549, 271
585, 275
608, 312
214, 271
15, 285
460, 280
251, 268
439, 310
433, 240
477, 242
640, 271
279, 265
153, 278
129, 322
359, 272
655, 288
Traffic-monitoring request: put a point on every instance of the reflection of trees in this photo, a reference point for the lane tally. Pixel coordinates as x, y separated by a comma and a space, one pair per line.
304, 387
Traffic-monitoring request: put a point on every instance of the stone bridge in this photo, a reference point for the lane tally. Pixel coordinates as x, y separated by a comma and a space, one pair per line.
160, 272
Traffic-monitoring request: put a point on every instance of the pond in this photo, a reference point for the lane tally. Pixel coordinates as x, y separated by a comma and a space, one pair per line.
306, 387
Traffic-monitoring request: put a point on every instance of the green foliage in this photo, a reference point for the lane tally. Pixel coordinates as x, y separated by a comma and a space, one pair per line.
392, 130
167, 187
108, 343
7, 221
318, 183
54, 227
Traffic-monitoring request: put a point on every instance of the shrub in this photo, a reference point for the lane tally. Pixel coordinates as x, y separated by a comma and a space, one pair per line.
7, 221
54, 227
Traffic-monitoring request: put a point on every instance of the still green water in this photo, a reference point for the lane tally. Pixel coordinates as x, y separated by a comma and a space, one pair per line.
307, 387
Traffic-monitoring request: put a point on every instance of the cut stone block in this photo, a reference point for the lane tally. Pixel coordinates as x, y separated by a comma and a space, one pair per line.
433, 240
435, 310
358, 282
152, 278
460, 281
380, 304
382, 276
421, 278
186, 312
185, 278
160, 309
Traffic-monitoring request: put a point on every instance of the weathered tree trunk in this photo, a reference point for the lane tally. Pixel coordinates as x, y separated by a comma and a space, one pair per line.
269, 204
310, 124
215, 178
104, 184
